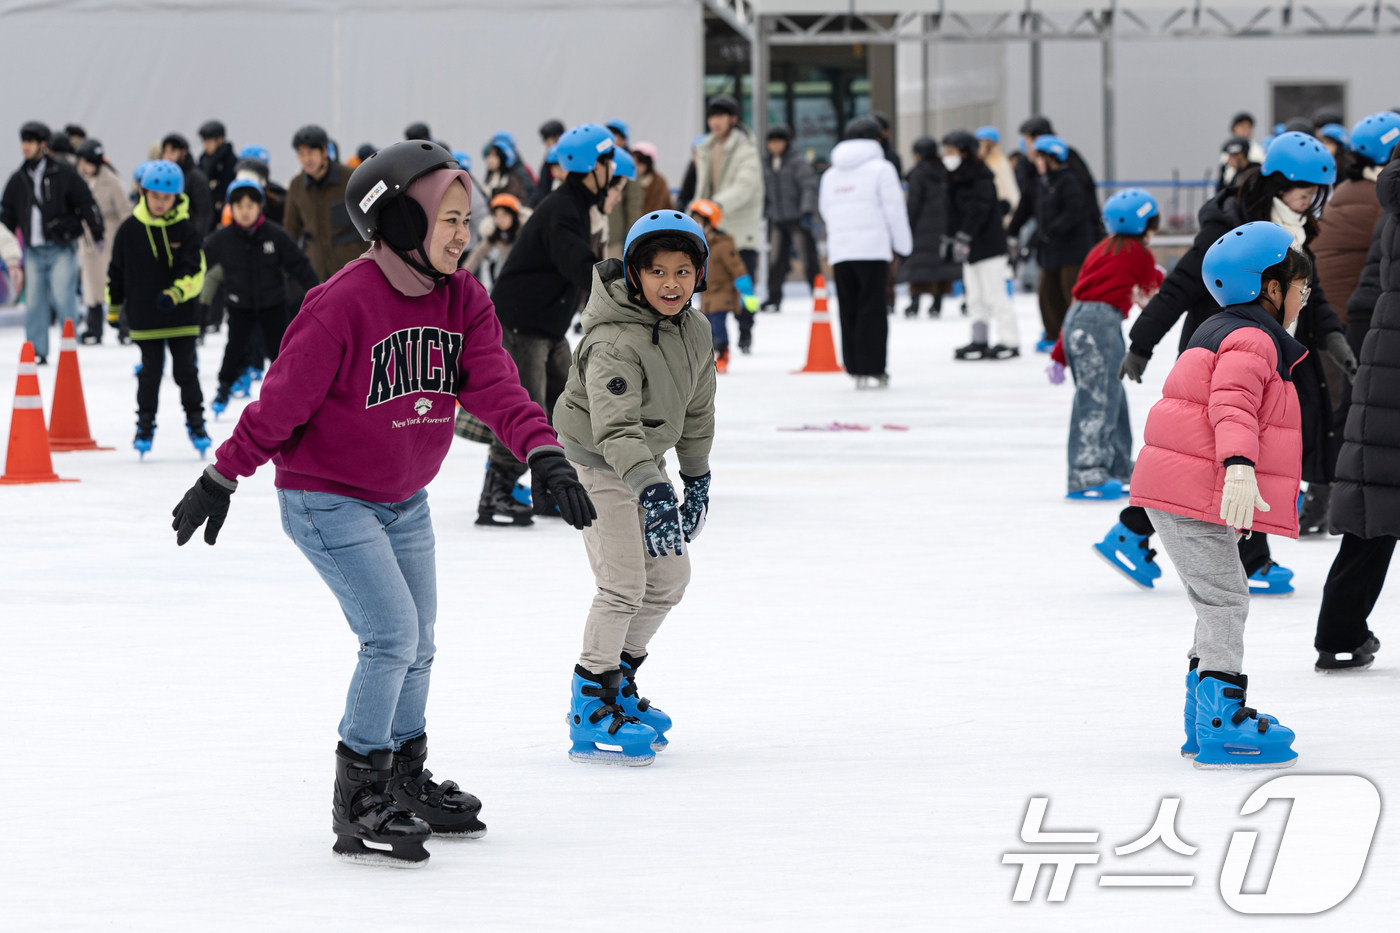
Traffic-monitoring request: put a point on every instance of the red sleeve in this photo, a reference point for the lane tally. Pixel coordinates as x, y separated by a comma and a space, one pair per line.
1057, 353
1146, 273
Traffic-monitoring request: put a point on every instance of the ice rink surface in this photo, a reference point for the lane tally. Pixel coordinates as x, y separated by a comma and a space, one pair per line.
893, 640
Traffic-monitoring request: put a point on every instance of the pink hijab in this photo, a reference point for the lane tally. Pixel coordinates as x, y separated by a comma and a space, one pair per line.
428, 191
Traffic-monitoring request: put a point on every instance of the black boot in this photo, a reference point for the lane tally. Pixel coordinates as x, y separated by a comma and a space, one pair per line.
496, 499
447, 809
364, 810
1358, 659
1312, 518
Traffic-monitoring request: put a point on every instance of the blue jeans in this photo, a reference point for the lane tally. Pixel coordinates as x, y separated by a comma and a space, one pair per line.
1100, 436
50, 279
378, 560
719, 330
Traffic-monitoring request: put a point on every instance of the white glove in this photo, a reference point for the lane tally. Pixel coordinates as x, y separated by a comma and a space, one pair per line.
1240, 497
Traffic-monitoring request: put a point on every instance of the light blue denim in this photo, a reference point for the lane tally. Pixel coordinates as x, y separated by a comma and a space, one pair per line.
1100, 435
50, 280
378, 559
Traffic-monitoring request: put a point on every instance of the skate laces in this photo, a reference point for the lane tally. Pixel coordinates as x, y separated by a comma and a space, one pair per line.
1245, 712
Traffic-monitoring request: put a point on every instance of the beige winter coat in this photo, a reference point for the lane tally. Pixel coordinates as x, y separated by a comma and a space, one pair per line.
740, 187
1005, 177
110, 194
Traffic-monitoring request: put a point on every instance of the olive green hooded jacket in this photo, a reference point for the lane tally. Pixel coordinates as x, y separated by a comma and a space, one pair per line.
641, 383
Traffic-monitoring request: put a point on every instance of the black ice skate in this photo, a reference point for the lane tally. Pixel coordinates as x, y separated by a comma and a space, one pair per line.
363, 811
1003, 352
447, 809
1312, 517
497, 500
973, 351
1357, 659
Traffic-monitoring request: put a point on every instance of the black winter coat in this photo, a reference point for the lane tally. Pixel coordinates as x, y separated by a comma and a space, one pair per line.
1027, 179
928, 219
253, 264
67, 204
1064, 220
1366, 497
201, 199
1362, 303
973, 209
219, 170
550, 266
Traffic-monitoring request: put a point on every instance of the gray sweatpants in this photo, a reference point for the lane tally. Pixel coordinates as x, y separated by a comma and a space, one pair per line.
635, 591
1207, 559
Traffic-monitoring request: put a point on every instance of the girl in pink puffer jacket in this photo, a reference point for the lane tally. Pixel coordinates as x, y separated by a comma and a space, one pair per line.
1222, 448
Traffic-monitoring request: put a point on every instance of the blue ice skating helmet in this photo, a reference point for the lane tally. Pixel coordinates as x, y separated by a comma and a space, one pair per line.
582, 146
1337, 133
1128, 211
503, 146
988, 132
1233, 265
666, 222
248, 183
626, 166
256, 152
508, 136
163, 176
463, 158
141, 170
620, 127
552, 156
1054, 145
1300, 157
1280, 129
1375, 136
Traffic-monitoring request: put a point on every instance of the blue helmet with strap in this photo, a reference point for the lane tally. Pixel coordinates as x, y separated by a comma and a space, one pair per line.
626, 166
987, 132
256, 152
1054, 145
1337, 133
141, 170
1128, 211
504, 147
1375, 136
1233, 266
463, 158
239, 184
665, 222
163, 176
619, 127
1300, 157
582, 146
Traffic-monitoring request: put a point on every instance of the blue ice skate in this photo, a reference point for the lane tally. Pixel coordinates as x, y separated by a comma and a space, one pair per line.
1230, 735
1044, 344
242, 387
1128, 553
137, 370
253, 373
639, 707
219, 405
1113, 489
595, 720
1190, 747
200, 439
521, 493
142, 443
1271, 580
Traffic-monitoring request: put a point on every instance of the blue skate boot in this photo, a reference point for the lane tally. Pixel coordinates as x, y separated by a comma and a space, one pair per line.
145, 433
1271, 580
1127, 552
199, 438
220, 403
1230, 735
254, 374
639, 707
242, 387
595, 719
1190, 747
1113, 489
1044, 344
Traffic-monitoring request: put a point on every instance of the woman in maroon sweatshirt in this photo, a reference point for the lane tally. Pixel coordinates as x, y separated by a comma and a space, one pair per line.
356, 414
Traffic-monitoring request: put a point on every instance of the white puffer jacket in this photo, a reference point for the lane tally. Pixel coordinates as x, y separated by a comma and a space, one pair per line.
862, 205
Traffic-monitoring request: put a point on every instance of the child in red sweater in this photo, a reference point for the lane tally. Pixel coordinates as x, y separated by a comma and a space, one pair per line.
1117, 273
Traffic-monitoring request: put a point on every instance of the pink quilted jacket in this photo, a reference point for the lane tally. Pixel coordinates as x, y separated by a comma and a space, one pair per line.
1227, 396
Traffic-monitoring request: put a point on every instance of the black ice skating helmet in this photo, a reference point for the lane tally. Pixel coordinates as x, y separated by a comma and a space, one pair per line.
34, 131
383, 179
311, 136
862, 128
551, 129
175, 141
926, 148
963, 141
722, 103
1036, 126
780, 131
213, 129
417, 130
90, 150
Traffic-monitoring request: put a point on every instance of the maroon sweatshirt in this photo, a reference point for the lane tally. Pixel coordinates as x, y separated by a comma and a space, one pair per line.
360, 400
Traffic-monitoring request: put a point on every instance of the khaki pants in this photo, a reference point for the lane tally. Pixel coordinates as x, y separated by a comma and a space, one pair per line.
635, 591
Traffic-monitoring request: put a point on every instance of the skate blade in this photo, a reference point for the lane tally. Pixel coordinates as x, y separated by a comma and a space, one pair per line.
458, 837
490, 521
1355, 668
1189, 755
600, 756
350, 849
1244, 766
1120, 568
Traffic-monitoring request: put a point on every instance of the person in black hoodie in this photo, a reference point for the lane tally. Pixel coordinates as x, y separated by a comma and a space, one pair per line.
977, 242
155, 276
175, 148
218, 162
251, 257
537, 293
1064, 218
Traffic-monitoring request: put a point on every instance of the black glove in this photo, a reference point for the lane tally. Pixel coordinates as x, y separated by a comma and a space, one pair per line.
661, 529
551, 473
961, 248
1340, 351
206, 499
696, 506
1132, 366
808, 222
167, 300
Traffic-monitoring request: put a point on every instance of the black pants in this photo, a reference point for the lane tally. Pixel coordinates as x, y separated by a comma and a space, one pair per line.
272, 321
743, 315
96, 317
1254, 550
184, 366
860, 295
1353, 586
785, 232
544, 368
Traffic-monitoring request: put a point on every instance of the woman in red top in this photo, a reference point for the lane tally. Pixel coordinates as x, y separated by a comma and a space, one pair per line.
1117, 272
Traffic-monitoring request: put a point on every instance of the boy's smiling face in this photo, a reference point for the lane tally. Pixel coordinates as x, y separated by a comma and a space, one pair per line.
668, 281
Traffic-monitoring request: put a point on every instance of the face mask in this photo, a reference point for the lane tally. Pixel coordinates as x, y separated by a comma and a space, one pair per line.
952, 163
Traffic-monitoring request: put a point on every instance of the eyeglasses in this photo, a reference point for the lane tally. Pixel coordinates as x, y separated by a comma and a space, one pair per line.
1303, 292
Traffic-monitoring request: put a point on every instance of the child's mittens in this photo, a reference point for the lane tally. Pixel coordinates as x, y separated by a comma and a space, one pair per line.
661, 527
1240, 497
751, 303
1056, 373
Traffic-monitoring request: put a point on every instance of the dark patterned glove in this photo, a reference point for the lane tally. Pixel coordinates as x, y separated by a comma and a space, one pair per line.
551, 473
696, 505
661, 529
207, 499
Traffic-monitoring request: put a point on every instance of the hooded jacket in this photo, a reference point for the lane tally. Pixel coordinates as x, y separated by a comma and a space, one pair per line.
862, 205
1366, 495
641, 383
316, 217
550, 265
974, 210
1344, 235
739, 189
150, 255
65, 205
253, 265
1229, 396
724, 267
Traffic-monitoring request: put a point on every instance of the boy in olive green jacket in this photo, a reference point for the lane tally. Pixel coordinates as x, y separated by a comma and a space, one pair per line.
642, 382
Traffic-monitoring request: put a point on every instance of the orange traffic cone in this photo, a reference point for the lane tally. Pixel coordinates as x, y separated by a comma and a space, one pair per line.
27, 460
821, 351
68, 424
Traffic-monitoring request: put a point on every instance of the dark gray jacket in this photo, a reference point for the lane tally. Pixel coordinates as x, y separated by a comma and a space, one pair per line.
791, 190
